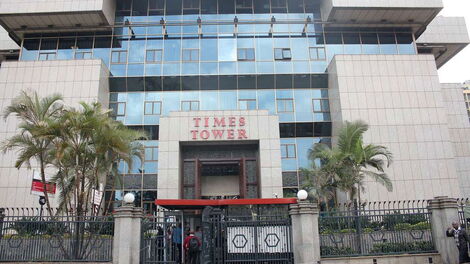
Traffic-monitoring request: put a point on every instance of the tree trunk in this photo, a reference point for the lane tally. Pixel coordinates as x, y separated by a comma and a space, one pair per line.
43, 179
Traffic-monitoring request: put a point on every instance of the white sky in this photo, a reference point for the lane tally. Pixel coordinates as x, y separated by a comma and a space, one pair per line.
457, 70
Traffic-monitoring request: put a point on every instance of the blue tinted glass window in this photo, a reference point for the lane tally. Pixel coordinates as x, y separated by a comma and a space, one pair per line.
172, 50
227, 50
134, 108
370, 43
264, 49
299, 48
227, 99
209, 50
405, 43
137, 51
387, 43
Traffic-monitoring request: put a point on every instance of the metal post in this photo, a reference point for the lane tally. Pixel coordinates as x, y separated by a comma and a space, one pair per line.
2, 217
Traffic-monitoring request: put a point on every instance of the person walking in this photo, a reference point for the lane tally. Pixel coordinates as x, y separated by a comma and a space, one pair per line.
461, 240
192, 245
177, 242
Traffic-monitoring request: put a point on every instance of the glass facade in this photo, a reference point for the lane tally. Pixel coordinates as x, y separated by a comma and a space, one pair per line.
184, 55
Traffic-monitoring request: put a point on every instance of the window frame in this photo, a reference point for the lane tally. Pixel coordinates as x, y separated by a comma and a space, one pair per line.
83, 53
153, 156
154, 51
191, 105
321, 100
245, 53
282, 50
247, 100
191, 8
286, 148
317, 54
153, 108
120, 52
47, 53
190, 55
117, 109
284, 100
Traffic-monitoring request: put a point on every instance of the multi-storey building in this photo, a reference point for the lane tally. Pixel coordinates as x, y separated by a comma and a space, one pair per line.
233, 93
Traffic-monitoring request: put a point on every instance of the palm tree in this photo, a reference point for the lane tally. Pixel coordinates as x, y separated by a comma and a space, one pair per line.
320, 180
348, 164
362, 160
89, 144
35, 115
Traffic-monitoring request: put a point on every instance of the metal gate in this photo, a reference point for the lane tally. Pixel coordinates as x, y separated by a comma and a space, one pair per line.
250, 238
157, 238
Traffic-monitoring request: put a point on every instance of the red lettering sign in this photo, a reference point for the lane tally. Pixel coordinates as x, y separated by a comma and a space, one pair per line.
221, 133
219, 122
217, 133
205, 134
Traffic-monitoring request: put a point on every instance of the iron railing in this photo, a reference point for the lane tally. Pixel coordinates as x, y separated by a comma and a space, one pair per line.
379, 231
56, 238
157, 238
464, 212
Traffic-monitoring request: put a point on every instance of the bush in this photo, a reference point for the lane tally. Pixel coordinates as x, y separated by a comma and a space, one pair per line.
390, 247
347, 231
402, 226
32, 226
335, 251
421, 226
101, 227
391, 220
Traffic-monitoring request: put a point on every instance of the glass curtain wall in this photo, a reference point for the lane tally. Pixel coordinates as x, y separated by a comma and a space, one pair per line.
186, 55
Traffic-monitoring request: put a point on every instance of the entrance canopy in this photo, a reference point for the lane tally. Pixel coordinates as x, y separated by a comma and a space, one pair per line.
200, 204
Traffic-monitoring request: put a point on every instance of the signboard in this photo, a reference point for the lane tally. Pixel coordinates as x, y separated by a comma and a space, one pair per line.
97, 197
223, 128
37, 186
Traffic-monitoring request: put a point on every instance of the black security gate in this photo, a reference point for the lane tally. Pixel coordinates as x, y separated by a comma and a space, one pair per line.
246, 238
157, 243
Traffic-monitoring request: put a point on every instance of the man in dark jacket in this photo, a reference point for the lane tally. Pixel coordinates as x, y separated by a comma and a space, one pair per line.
461, 239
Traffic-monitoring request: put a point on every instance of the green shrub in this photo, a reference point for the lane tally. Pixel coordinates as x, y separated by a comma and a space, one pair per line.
335, 251
347, 231
33, 226
101, 227
367, 230
421, 226
402, 226
390, 247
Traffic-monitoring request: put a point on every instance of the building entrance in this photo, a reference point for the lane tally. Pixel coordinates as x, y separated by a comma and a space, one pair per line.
220, 171
221, 179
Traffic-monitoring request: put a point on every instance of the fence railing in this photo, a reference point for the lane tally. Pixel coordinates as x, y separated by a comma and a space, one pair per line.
27, 211
464, 212
56, 239
376, 232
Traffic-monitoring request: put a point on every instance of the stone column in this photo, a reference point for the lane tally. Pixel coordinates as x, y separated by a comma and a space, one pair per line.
126, 242
305, 234
444, 211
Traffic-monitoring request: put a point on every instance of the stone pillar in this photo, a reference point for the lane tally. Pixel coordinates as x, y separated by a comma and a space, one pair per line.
305, 233
126, 242
444, 211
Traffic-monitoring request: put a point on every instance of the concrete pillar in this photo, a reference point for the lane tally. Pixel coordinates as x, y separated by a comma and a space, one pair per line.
305, 234
444, 211
126, 242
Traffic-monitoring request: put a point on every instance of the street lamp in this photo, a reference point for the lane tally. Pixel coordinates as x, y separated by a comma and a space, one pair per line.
302, 195
129, 198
